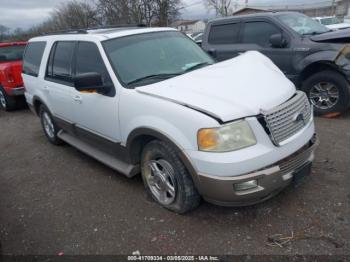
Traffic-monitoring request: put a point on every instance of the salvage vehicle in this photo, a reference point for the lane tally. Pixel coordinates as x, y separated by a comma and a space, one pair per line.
11, 83
332, 22
309, 54
151, 101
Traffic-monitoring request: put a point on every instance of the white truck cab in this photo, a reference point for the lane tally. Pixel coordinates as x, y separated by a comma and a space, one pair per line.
150, 101
332, 22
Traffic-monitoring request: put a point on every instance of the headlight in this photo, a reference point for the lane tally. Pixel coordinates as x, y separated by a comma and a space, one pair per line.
230, 137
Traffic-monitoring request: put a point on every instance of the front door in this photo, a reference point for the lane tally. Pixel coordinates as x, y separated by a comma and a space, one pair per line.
95, 113
255, 35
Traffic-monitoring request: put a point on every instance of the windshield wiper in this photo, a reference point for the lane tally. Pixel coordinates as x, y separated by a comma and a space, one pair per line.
197, 66
154, 76
317, 33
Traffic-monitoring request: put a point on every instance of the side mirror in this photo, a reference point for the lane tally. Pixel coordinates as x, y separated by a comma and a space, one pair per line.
89, 82
278, 41
212, 53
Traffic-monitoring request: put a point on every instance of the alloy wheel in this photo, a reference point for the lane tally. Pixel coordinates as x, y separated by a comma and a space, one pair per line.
324, 95
2, 100
48, 125
160, 178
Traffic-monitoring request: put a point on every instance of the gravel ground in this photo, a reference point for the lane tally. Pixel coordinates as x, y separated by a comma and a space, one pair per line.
56, 199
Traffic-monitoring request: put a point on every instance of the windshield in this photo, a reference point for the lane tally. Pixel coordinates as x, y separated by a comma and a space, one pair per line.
303, 24
11, 53
147, 58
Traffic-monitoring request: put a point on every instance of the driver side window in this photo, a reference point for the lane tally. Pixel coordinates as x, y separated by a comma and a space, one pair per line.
88, 60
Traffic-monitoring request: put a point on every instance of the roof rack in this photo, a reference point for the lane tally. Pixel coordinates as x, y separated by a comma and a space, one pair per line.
85, 30
69, 31
116, 26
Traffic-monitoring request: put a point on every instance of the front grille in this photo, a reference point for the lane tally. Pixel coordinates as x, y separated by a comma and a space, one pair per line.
288, 118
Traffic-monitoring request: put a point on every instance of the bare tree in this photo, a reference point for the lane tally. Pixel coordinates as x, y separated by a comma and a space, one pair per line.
221, 7
167, 11
143, 11
114, 11
159, 12
75, 15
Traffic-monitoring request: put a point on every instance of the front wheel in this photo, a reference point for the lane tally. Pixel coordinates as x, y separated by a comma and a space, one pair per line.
166, 178
328, 91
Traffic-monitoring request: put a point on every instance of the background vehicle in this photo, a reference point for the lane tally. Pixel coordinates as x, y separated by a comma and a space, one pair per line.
198, 38
152, 101
308, 53
11, 83
332, 22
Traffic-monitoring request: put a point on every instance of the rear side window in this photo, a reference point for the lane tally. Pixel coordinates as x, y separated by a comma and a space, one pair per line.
89, 60
259, 33
60, 61
32, 58
224, 34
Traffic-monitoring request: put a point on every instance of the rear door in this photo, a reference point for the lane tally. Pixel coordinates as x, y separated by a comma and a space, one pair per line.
255, 35
223, 40
31, 67
59, 82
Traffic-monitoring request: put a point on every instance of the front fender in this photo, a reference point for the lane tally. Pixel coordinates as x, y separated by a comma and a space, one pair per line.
323, 56
146, 131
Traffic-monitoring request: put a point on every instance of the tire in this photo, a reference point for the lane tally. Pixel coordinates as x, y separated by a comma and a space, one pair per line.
327, 85
49, 127
7, 103
180, 195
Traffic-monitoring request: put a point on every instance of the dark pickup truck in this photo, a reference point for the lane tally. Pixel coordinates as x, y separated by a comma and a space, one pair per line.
316, 59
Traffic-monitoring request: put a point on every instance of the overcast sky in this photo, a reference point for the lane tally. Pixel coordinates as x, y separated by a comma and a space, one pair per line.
25, 13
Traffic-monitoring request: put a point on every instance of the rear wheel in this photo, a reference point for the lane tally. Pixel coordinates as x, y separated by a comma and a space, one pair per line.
49, 126
328, 91
166, 178
7, 102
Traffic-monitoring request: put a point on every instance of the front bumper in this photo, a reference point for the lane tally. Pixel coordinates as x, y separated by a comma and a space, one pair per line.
270, 180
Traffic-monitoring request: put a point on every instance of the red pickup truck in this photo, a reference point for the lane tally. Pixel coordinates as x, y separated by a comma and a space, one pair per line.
11, 83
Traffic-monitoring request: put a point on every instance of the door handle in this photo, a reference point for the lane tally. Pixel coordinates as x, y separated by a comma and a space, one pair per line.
78, 99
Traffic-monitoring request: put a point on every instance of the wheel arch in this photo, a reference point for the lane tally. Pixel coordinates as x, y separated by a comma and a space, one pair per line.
37, 102
323, 60
139, 137
316, 67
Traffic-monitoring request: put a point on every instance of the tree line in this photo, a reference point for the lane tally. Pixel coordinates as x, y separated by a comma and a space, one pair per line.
84, 14
77, 14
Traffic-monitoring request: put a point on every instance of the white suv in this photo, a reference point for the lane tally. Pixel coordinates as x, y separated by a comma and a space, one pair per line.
150, 101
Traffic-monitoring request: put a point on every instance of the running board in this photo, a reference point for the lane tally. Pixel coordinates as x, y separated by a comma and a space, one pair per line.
107, 159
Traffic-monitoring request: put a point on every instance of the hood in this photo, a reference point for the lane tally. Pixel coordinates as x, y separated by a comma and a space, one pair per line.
340, 36
236, 88
339, 26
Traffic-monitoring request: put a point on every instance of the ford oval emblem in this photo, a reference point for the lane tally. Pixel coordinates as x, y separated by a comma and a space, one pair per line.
299, 118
